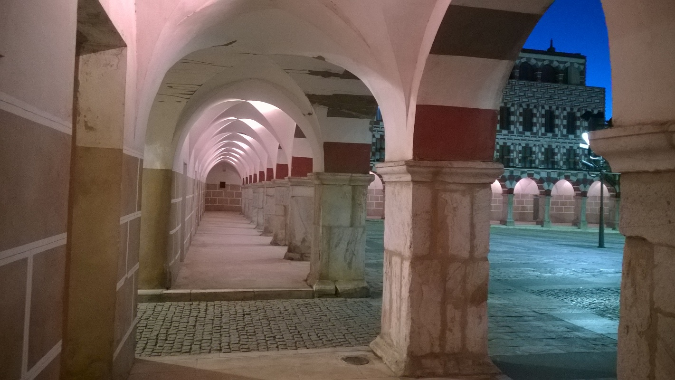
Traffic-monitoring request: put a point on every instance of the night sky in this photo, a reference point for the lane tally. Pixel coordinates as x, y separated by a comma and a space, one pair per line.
578, 26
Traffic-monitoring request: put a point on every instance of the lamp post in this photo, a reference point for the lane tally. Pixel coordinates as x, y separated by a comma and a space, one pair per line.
600, 168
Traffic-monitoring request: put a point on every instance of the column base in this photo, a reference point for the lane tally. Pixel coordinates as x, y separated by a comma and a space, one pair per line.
545, 224
582, 226
509, 223
341, 289
458, 366
295, 256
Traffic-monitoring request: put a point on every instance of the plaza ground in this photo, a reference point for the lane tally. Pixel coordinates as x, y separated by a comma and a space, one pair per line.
553, 314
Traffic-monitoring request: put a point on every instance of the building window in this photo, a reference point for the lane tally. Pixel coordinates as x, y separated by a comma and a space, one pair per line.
549, 121
504, 118
527, 72
571, 159
528, 117
549, 158
528, 159
571, 123
549, 74
505, 155
222, 185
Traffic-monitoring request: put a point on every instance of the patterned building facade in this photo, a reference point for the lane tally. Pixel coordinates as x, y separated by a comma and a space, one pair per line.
545, 109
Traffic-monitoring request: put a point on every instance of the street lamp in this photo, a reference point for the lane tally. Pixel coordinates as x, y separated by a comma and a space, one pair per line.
599, 166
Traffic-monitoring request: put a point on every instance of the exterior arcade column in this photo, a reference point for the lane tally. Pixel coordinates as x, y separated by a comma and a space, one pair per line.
509, 210
281, 201
245, 201
645, 157
582, 222
258, 205
300, 219
249, 203
269, 189
617, 212
437, 237
338, 261
546, 222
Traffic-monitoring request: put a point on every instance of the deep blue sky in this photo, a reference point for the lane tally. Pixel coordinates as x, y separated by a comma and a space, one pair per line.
578, 26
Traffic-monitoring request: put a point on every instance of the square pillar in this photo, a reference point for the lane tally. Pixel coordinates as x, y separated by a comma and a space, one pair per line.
281, 201
509, 210
545, 203
338, 260
268, 207
580, 208
645, 157
246, 201
300, 218
436, 241
258, 205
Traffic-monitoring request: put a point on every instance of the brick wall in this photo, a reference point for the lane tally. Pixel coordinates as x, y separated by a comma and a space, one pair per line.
497, 206
376, 203
227, 199
523, 207
593, 210
562, 208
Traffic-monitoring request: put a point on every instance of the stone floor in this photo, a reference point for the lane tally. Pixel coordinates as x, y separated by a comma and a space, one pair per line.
322, 364
227, 252
553, 314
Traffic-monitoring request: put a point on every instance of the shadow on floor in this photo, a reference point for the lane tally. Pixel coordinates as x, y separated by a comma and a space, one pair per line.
151, 370
569, 366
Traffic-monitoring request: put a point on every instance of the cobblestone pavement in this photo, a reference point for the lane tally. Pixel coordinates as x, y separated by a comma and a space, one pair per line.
601, 301
181, 328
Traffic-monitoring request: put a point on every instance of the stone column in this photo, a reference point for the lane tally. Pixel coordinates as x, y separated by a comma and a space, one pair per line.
268, 207
582, 223
250, 205
437, 236
645, 157
300, 222
617, 213
258, 205
338, 260
547, 211
509, 211
243, 200
281, 201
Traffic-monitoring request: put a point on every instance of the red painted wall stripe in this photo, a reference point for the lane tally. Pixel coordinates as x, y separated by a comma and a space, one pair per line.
301, 166
445, 133
250, 179
261, 176
255, 178
346, 157
282, 171
270, 174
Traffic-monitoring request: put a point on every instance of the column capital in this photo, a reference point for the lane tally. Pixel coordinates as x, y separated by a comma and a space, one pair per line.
280, 182
459, 172
341, 179
299, 181
640, 148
